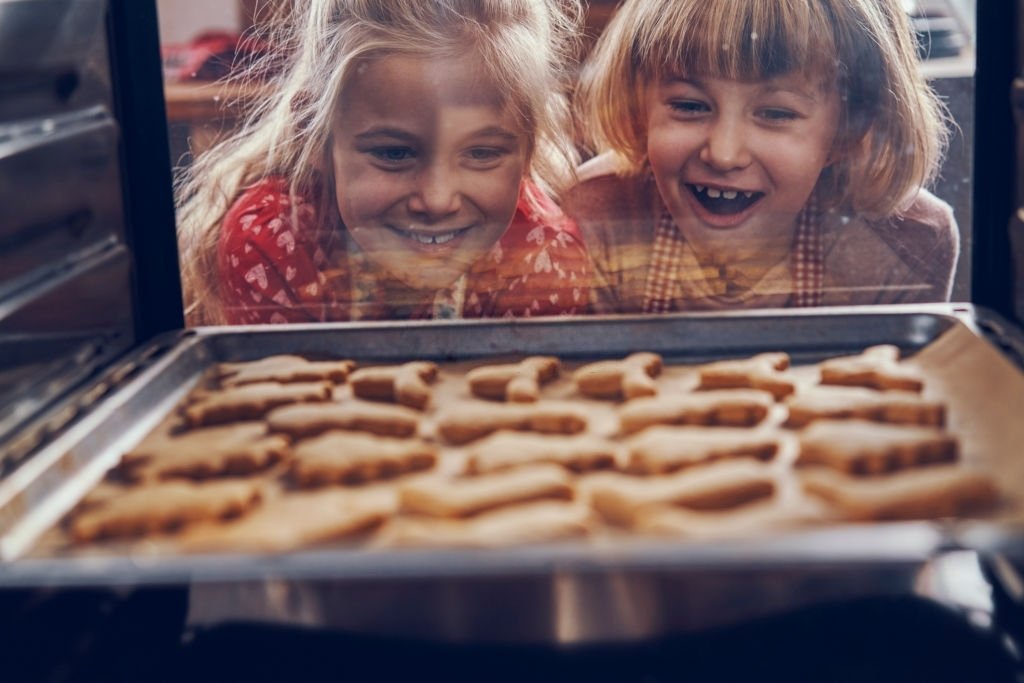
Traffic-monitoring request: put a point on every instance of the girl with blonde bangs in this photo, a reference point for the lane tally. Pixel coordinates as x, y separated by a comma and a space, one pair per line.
757, 154
403, 168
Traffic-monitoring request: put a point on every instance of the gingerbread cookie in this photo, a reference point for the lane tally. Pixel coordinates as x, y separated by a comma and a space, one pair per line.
629, 378
861, 447
715, 487
531, 523
764, 371
284, 369
731, 408
518, 382
406, 384
249, 402
505, 450
466, 422
163, 507
660, 450
467, 496
846, 403
231, 450
927, 493
310, 419
292, 522
355, 458
877, 368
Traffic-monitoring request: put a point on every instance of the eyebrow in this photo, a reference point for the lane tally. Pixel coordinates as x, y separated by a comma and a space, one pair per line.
767, 89
386, 132
495, 132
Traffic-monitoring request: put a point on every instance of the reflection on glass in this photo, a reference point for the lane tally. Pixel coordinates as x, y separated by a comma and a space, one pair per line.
393, 162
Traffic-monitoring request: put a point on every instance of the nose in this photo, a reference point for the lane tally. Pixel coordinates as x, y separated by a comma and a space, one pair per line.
726, 147
436, 193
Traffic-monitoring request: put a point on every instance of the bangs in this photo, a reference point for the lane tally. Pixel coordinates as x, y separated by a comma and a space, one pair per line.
745, 40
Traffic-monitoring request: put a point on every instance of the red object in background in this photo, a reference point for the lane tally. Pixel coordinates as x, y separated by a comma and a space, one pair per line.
213, 55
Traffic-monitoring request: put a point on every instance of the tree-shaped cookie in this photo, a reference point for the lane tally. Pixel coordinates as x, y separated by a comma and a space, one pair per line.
628, 378
878, 368
765, 371
407, 384
518, 382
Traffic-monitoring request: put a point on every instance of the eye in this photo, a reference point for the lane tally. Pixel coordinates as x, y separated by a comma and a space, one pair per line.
392, 155
778, 114
485, 156
689, 107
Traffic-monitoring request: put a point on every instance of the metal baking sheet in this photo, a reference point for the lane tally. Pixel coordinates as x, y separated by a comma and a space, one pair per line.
566, 593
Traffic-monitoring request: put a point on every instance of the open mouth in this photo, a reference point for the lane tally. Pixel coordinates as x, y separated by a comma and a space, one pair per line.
431, 239
724, 202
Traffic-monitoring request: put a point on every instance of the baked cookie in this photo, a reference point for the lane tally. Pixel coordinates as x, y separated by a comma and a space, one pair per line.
292, 522
530, 523
877, 368
249, 402
163, 507
764, 371
731, 408
720, 486
285, 369
223, 451
518, 382
660, 450
748, 521
311, 419
927, 493
467, 422
505, 450
407, 384
847, 403
467, 496
628, 378
356, 458
861, 447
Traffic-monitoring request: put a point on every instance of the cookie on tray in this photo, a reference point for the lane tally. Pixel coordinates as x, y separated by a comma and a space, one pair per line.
249, 401
468, 496
661, 450
162, 508
356, 458
629, 378
849, 403
464, 422
311, 419
517, 382
407, 384
506, 450
765, 371
926, 493
285, 369
860, 447
729, 408
720, 486
293, 521
526, 524
878, 367
222, 451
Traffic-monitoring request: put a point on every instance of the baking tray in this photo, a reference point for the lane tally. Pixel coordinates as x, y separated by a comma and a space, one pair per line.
564, 593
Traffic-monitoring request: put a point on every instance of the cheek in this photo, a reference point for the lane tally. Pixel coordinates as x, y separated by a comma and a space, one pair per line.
668, 147
363, 196
496, 194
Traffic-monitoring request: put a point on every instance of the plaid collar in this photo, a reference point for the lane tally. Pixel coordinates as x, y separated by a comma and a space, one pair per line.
807, 262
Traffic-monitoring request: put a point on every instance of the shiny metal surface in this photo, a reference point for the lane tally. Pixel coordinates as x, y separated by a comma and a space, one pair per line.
568, 593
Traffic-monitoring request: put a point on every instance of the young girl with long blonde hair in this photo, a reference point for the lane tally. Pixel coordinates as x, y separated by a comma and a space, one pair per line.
402, 168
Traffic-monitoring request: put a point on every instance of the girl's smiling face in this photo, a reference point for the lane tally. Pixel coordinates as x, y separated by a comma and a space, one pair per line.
427, 162
735, 161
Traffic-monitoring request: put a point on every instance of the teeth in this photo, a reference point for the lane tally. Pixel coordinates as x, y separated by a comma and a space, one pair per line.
748, 195
714, 193
433, 239
729, 194
700, 188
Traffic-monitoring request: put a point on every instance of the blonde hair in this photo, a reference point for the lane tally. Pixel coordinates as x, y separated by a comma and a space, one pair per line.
526, 46
892, 127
